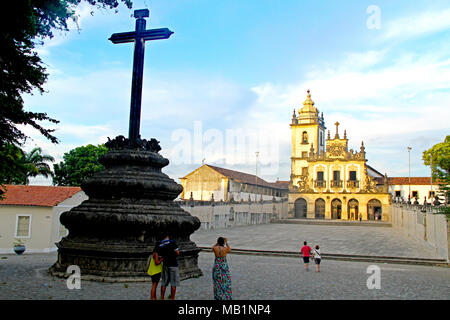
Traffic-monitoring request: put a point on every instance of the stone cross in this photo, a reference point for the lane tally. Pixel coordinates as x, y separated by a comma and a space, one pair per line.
139, 36
337, 132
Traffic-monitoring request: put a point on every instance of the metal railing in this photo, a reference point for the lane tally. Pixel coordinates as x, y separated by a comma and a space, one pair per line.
336, 183
353, 184
320, 183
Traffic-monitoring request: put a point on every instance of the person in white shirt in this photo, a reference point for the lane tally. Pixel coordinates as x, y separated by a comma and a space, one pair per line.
317, 257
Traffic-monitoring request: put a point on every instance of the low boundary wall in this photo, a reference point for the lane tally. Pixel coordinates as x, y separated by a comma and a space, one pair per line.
424, 224
216, 215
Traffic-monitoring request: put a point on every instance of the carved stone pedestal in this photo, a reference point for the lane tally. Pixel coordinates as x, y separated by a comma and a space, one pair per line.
130, 207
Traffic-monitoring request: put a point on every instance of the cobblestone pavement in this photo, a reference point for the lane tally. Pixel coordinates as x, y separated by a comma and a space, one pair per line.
363, 240
253, 277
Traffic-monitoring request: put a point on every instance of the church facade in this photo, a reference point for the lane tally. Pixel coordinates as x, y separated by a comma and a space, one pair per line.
328, 181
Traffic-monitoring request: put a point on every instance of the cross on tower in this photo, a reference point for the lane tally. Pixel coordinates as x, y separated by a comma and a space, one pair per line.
138, 37
337, 132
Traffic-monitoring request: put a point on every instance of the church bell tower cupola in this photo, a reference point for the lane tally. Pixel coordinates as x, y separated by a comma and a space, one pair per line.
308, 128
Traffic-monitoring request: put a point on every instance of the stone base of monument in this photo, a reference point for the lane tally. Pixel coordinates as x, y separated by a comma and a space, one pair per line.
130, 208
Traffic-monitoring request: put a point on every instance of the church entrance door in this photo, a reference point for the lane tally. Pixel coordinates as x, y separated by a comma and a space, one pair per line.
320, 209
300, 207
336, 209
353, 209
374, 210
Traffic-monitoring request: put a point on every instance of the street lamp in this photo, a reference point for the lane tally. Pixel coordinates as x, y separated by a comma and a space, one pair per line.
409, 175
431, 178
256, 175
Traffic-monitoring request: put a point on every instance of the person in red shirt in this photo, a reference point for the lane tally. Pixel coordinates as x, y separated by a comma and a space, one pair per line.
306, 253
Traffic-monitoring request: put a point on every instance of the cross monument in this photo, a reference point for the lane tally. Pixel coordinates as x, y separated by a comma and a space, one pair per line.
138, 37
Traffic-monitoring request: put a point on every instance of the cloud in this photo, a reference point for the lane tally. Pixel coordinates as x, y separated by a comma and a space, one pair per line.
403, 101
417, 25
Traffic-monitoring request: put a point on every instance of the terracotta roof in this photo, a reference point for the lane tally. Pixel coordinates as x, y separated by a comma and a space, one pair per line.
42, 196
425, 181
281, 184
244, 177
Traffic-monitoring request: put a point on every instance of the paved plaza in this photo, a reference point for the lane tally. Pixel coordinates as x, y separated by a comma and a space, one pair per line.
352, 240
259, 277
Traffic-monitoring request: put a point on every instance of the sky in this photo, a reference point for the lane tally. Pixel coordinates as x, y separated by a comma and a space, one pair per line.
221, 90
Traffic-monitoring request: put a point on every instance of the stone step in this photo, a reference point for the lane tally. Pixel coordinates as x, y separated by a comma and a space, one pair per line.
334, 222
343, 257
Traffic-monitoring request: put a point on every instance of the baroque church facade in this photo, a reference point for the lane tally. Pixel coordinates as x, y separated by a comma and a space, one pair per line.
327, 180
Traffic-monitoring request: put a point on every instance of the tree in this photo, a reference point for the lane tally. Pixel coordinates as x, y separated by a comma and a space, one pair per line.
438, 157
79, 163
12, 170
25, 24
20, 165
36, 165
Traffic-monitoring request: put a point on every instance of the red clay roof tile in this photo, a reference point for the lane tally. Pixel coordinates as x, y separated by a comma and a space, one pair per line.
43, 196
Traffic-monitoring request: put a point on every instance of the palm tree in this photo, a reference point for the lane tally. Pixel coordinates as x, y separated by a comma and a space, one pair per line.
19, 165
35, 163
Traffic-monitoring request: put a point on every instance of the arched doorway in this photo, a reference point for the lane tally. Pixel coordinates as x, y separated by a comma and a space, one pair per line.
300, 208
374, 210
336, 209
320, 209
353, 209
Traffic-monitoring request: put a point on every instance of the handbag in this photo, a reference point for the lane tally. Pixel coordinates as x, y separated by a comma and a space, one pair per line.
154, 268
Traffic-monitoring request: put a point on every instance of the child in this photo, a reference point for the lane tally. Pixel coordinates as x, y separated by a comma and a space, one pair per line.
317, 258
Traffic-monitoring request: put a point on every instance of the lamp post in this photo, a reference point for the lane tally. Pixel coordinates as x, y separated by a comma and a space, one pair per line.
409, 175
431, 178
201, 185
256, 175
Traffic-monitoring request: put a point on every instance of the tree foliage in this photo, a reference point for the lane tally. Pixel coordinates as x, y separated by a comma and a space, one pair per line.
438, 157
25, 23
79, 163
19, 165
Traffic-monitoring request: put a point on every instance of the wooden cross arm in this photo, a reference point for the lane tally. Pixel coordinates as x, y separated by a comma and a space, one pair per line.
153, 34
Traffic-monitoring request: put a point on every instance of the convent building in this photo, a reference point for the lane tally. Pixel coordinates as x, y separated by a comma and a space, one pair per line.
327, 180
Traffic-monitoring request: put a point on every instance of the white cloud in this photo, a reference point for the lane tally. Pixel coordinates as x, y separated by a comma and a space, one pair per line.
417, 25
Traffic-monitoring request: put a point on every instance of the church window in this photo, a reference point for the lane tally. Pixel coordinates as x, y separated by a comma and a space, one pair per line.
336, 179
352, 176
305, 137
398, 193
304, 155
336, 175
320, 182
415, 194
431, 194
319, 175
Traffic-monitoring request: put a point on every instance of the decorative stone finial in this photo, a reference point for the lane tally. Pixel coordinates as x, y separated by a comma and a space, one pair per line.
345, 134
308, 101
337, 130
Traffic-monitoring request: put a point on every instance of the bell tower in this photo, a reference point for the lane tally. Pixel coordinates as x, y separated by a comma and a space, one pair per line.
308, 133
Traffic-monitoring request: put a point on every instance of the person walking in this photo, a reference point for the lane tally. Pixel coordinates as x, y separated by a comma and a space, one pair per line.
306, 253
317, 257
154, 269
221, 271
168, 250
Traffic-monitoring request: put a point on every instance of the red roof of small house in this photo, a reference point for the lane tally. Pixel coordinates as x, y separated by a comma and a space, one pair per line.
424, 181
42, 196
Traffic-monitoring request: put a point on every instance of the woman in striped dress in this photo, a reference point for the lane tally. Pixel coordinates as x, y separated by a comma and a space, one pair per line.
221, 272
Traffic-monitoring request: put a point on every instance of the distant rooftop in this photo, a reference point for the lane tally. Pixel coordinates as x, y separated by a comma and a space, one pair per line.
249, 178
42, 196
414, 181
